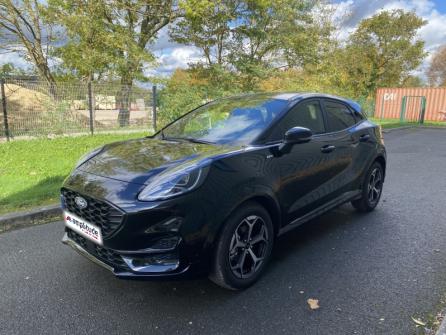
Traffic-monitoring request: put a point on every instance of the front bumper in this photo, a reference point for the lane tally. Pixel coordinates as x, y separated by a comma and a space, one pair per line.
144, 264
133, 230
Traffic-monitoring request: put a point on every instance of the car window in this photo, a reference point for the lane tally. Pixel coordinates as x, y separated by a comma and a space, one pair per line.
307, 114
236, 120
358, 115
339, 116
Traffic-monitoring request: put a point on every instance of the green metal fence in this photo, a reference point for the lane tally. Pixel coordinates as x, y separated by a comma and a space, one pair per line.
413, 109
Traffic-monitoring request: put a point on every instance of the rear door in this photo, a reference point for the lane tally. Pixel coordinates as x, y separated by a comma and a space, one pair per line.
343, 134
364, 146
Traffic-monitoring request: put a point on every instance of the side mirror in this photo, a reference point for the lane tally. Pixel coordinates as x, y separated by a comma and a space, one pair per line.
295, 135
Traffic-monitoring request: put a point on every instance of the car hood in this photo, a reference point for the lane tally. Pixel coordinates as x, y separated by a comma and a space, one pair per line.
138, 161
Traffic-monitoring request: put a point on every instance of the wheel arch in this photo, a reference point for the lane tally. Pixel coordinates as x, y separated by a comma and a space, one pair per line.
268, 202
381, 160
272, 207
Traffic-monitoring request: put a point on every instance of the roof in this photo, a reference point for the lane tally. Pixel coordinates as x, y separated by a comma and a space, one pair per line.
294, 96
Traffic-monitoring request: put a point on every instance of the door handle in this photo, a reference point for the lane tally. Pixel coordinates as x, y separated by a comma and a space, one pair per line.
364, 138
327, 148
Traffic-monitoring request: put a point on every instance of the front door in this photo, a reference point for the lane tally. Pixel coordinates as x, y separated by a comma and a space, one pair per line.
305, 171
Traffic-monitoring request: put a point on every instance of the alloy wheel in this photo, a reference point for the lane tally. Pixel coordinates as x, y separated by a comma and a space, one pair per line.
248, 246
375, 185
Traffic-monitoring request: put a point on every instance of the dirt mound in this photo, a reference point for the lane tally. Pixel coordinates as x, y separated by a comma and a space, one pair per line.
21, 100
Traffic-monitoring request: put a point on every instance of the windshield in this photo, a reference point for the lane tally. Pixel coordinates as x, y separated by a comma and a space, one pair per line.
237, 120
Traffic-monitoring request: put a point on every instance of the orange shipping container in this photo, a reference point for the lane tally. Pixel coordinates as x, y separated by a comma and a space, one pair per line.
411, 103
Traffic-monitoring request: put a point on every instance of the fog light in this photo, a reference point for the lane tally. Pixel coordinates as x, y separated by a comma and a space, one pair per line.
162, 259
154, 263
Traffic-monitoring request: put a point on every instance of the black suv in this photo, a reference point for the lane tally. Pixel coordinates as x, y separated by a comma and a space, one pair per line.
211, 191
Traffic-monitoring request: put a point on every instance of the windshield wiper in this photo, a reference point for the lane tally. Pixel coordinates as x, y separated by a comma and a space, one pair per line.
189, 139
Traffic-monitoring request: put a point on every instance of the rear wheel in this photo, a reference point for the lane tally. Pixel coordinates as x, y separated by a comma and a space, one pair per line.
371, 189
244, 247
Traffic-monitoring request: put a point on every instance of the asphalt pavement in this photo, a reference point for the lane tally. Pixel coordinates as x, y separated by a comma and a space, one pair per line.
370, 272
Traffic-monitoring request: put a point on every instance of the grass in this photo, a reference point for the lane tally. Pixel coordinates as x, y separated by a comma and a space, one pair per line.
396, 123
32, 171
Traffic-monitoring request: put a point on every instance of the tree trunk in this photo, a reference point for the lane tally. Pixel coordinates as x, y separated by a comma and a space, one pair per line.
45, 73
124, 102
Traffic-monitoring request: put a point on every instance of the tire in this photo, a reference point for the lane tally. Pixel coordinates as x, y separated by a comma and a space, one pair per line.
247, 234
371, 189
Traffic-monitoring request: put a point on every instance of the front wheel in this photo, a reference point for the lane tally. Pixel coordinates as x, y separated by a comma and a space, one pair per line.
371, 189
244, 247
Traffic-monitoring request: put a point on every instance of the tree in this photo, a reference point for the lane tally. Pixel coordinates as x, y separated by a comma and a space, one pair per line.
412, 81
437, 69
249, 37
24, 31
121, 31
307, 35
262, 36
207, 25
383, 50
8, 69
88, 52
313, 51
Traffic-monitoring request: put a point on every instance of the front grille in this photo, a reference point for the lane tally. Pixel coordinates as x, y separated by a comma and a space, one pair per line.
108, 256
97, 212
78, 239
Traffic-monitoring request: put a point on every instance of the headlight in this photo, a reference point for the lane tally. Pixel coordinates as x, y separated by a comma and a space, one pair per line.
173, 184
88, 156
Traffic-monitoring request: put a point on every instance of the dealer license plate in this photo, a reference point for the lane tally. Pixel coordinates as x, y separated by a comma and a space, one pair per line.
82, 227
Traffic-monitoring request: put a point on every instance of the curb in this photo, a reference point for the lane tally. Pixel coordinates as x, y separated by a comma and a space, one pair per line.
31, 217
442, 329
385, 131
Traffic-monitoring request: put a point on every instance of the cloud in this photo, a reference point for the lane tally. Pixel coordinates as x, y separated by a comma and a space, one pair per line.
163, 41
171, 55
179, 57
175, 57
15, 59
434, 33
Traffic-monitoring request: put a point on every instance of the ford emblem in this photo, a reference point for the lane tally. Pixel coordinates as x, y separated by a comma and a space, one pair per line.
80, 202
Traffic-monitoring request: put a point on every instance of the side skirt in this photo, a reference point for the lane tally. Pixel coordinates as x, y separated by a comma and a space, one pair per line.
346, 197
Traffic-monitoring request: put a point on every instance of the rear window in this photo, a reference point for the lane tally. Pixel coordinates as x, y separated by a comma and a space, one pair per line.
339, 116
359, 116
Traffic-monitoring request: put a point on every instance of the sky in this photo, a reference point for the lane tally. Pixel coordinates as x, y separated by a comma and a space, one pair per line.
172, 55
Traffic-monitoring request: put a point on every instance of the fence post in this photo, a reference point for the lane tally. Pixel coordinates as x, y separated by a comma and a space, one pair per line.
403, 109
5, 113
423, 109
90, 108
154, 107
382, 106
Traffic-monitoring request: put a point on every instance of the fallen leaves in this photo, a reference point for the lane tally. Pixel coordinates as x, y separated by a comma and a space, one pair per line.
313, 303
418, 321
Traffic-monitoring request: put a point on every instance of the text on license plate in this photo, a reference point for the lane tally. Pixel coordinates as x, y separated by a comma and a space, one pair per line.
83, 227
